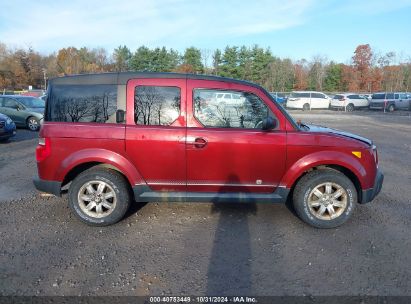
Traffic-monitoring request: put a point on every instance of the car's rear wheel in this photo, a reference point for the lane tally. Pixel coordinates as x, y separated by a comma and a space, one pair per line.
391, 108
349, 107
33, 124
324, 198
306, 107
99, 196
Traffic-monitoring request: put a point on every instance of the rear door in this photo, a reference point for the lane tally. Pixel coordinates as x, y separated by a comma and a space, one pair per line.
155, 132
319, 101
402, 101
226, 149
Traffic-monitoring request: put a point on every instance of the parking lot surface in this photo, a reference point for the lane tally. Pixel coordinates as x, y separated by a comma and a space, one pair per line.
198, 249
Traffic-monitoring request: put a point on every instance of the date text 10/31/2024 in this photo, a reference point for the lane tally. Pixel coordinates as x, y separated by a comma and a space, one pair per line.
202, 299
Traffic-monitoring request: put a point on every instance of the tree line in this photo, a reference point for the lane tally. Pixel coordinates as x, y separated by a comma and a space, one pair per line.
366, 71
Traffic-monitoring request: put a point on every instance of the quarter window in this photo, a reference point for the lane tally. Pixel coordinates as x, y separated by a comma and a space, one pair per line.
155, 105
247, 111
82, 103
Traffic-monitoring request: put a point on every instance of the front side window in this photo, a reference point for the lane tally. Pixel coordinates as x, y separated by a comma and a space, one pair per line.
247, 111
156, 106
82, 103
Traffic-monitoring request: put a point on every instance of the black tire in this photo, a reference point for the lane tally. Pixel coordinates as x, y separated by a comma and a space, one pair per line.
306, 107
391, 108
116, 184
305, 188
33, 124
349, 108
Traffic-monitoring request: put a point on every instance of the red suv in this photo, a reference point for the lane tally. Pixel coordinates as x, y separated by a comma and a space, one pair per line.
115, 138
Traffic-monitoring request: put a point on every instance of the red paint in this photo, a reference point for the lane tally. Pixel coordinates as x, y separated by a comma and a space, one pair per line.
188, 157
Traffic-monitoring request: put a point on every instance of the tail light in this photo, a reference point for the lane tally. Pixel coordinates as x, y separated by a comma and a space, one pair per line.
43, 149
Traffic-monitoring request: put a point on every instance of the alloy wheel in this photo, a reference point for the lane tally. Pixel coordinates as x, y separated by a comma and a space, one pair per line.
327, 201
97, 199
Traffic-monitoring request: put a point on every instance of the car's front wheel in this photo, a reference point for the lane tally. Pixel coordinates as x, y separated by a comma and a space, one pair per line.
349, 107
99, 196
324, 198
33, 123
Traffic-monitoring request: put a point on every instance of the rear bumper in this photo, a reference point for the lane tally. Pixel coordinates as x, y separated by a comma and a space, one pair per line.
369, 194
52, 187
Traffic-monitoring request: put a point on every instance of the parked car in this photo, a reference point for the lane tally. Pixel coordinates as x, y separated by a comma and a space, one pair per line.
25, 111
116, 138
281, 98
228, 98
349, 102
307, 100
7, 127
390, 101
33, 93
368, 96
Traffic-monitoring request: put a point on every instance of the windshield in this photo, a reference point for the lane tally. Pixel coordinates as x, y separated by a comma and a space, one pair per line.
31, 102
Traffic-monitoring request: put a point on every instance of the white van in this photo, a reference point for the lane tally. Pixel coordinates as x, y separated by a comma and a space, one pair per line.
308, 100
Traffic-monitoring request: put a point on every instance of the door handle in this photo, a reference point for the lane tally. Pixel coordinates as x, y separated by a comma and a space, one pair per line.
200, 142
197, 142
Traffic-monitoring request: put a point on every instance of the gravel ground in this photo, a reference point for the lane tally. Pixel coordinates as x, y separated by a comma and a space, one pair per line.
198, 249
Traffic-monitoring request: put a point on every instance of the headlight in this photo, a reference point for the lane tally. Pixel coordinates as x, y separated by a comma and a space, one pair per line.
8, 121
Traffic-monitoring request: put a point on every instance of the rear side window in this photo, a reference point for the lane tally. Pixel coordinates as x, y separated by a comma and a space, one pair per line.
9, 103
82, 103
378, 96
300, 95
156, 106
317, 95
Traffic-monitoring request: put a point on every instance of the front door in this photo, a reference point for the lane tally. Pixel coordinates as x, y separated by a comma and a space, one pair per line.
156, 130
11, 109
227, 151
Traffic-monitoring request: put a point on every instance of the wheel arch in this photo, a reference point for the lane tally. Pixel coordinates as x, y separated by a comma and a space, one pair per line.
348, 166
347, 172
85, 159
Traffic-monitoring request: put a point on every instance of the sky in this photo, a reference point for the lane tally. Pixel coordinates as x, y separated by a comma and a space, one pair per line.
290, 28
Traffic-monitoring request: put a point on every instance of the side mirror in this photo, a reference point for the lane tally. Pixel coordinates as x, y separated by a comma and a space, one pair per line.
120, 116
268, 124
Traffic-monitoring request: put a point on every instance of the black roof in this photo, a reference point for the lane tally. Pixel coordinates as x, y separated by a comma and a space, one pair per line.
121, 78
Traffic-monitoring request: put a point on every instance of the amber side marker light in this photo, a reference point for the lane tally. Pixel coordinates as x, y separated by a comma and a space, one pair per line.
356, 153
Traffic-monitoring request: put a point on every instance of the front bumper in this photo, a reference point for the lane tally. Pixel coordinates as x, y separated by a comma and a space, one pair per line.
369, 194
52, 187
